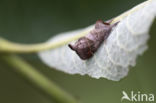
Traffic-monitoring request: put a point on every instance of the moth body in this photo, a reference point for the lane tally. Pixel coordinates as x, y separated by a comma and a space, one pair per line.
86, 46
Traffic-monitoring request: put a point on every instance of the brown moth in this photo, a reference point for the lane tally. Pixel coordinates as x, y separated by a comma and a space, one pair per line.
86, 46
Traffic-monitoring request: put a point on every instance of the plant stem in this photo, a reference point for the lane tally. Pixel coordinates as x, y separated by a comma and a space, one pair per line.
10, 47
7, 46
38, 79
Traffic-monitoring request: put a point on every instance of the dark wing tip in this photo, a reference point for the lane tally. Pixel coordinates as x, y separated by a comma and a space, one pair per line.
71, 46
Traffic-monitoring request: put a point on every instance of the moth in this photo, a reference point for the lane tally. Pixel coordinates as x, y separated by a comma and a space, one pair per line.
86, 46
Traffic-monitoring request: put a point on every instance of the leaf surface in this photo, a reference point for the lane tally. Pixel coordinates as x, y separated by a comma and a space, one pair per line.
126, 42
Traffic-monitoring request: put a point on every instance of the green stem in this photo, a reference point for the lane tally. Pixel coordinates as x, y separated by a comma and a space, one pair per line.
39, 80
10, 47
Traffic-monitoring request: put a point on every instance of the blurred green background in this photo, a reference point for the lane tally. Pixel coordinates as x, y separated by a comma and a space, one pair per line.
33, 21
